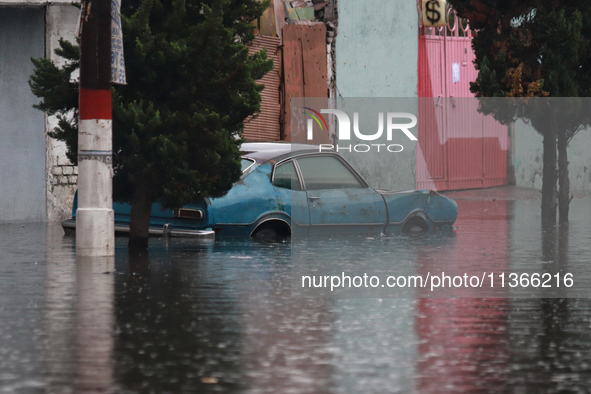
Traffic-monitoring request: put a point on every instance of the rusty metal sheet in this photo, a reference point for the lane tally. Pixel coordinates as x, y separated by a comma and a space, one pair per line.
265, 126
304, 66
267, 22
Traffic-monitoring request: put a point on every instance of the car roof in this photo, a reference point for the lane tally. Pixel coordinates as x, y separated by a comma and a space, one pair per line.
265, 151
262, 152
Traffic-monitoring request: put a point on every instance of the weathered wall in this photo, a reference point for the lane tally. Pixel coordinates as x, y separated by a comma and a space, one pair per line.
528, 158
377, 48
376, 56
22, 139
61, 174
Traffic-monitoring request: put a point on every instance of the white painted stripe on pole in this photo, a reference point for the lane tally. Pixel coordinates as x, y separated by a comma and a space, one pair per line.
95, 184
95, 232
95, 219
95, 134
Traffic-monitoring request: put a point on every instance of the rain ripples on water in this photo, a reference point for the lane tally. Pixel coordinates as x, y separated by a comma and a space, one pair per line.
190, 316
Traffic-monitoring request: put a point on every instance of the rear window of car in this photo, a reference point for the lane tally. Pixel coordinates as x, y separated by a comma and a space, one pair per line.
246, 163
327, 172
285, 176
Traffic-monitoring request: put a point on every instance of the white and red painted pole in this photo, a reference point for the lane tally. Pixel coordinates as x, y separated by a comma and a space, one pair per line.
95, 235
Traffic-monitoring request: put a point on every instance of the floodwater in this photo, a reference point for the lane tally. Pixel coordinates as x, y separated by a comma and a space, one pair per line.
201, 317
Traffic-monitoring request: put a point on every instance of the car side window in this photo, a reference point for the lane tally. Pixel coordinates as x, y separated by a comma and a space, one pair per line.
285, 176
246, 163
327, 172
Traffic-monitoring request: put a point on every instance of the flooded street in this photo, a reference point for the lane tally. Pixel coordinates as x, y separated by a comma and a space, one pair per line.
193, 316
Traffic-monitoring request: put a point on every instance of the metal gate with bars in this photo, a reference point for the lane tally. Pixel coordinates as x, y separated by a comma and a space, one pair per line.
459, 148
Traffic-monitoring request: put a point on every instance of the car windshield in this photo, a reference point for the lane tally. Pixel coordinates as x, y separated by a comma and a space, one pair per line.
246, 163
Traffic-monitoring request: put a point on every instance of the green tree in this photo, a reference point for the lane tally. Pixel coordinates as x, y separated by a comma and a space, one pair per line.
527, 50
177, 124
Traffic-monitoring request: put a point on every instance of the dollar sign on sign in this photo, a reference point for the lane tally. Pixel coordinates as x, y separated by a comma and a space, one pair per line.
432, 14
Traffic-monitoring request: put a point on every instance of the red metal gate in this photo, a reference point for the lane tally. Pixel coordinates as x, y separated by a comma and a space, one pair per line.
458, 147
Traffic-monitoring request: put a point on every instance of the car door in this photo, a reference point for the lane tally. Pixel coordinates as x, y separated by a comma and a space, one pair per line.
338, 198
294, 198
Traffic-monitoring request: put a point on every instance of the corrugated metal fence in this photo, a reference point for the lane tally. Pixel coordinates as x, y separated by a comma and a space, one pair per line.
265, 126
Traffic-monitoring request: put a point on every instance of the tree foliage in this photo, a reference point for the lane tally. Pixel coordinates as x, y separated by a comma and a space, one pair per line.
191, 84
59, 91
530, 48
527, 49
178, 122
526, 52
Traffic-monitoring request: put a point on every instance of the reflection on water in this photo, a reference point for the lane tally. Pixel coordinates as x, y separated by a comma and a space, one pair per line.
497, 249
220, 317
94, 324
79, 319
464, 345
171, 319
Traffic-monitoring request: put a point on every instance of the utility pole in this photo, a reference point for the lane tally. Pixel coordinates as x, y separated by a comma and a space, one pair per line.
95, 234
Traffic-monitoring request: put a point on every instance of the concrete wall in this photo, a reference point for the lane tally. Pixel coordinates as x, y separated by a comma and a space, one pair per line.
377, 48
39, 180
62, 175
376, 56
22, 137
528, 158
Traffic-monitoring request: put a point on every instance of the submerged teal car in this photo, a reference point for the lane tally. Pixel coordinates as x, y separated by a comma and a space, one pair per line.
290, 189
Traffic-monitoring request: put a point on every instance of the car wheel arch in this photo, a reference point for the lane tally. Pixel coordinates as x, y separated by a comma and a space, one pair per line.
280, 224
416, 222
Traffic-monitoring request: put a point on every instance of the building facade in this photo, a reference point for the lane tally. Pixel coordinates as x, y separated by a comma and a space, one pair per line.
381, 50
38, 180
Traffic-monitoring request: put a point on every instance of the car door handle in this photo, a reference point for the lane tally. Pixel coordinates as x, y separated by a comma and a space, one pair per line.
312, 199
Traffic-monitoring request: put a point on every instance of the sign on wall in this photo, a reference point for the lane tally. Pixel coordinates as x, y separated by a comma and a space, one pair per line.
434, 13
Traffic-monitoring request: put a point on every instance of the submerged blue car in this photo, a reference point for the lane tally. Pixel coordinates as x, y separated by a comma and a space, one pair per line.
290, 189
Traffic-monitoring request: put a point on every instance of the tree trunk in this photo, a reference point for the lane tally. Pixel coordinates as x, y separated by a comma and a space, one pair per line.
563, 181
549, 178
549, 245
139, 221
